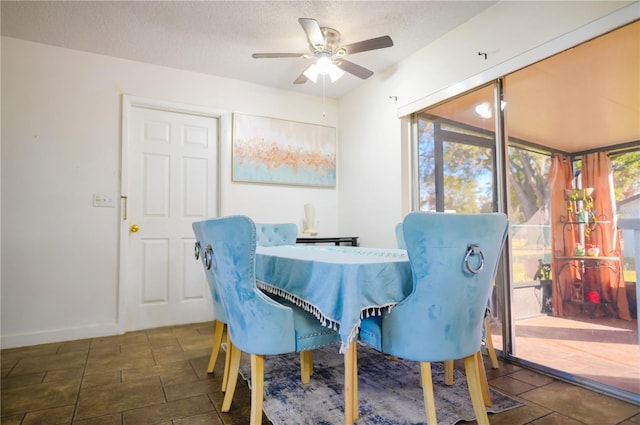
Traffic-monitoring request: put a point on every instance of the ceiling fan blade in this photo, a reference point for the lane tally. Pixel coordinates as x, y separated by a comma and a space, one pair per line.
278, 55
301, 79
354, 69
314, 34
366, 45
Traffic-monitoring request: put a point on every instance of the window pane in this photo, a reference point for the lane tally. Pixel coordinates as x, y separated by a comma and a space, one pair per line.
426, 162
626, 183
456, 154
529, 215
626, 175
468, 178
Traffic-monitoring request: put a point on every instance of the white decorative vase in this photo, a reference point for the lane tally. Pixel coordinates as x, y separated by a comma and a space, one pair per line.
310, 220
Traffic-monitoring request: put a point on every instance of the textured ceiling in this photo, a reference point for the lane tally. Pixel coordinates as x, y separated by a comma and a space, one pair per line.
218, 37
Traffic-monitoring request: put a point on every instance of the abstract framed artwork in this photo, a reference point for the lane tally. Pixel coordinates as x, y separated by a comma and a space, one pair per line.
276, 151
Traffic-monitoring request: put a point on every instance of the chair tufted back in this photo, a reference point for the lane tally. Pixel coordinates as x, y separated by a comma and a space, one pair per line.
256, 323
276, 234
443, 317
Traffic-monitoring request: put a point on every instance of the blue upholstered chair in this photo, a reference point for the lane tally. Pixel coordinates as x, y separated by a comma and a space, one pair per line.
276, 234
487, 339
266, 235
256, 324
219, 317
453, 260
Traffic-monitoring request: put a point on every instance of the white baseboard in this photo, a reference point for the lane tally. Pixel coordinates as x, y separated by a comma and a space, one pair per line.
58, 335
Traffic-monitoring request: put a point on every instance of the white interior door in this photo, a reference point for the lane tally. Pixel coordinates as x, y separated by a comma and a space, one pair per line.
171, 174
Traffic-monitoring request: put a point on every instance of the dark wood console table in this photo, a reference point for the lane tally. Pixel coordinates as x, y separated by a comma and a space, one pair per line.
353, 240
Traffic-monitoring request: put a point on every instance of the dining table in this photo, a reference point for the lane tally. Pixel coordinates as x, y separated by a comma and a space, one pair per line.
339, 285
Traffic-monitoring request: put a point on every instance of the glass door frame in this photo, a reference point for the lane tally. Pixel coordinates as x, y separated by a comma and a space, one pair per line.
502, 292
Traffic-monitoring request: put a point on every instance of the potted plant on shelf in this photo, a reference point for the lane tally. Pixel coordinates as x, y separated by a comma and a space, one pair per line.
578, 194
580, 204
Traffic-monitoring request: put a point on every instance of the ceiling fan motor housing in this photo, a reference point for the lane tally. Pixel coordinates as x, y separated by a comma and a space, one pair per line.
331, 40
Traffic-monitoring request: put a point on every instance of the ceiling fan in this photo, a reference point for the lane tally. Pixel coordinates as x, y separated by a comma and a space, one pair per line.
323, 43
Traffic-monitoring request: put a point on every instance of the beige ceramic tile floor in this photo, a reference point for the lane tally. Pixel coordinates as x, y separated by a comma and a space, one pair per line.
158, 376
602, 349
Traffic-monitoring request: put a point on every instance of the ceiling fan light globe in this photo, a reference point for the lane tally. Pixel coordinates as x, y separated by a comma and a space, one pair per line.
324, 65
312, 73
335, 73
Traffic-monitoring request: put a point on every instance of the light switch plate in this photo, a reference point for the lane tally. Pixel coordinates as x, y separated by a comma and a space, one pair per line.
102, 200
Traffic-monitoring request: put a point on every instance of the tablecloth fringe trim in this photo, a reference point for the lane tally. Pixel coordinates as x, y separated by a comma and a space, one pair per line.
324, 320
305, 305
375, 310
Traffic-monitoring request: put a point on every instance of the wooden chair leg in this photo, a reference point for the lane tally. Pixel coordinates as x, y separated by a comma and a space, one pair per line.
227, 361
257, 388
427, 392
215, 350
489, 341
482, 374
448, 372
234, 368
475, 390
306, 366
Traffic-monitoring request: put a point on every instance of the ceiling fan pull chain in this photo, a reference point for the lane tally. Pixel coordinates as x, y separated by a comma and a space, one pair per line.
324, 77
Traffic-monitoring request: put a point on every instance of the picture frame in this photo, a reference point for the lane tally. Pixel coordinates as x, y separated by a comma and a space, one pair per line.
278, 151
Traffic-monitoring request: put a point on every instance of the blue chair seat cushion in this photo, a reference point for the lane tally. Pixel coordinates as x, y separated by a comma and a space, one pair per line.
371, 332
310, 334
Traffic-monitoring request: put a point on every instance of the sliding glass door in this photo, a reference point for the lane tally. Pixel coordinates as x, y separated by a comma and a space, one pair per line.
549, 109
457, 165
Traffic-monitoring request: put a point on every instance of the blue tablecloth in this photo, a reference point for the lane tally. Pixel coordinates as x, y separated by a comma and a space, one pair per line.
338, 285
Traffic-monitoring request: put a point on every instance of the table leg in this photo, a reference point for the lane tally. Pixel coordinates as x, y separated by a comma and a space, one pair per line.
356, 405
350, 384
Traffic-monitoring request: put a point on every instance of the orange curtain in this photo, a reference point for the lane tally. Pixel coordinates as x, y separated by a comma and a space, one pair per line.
562, 237
597, 173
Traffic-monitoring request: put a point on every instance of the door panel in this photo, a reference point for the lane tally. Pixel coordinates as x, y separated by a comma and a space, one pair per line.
155, 279
155, 189
195, 187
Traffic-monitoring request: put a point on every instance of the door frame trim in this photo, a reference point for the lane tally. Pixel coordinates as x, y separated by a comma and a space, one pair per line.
129, 102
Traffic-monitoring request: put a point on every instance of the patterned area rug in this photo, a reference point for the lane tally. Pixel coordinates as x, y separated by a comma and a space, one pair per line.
389, 391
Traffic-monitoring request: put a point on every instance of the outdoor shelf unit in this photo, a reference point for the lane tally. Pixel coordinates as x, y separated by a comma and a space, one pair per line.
584, 264
564, 261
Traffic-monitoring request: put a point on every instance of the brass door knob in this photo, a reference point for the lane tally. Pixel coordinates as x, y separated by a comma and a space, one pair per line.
134, 228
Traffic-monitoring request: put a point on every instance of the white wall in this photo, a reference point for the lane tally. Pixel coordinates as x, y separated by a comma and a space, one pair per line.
61, 136
513, 34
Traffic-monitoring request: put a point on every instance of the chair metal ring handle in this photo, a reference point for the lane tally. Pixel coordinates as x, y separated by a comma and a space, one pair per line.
197, 250
208, 257
474, 250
